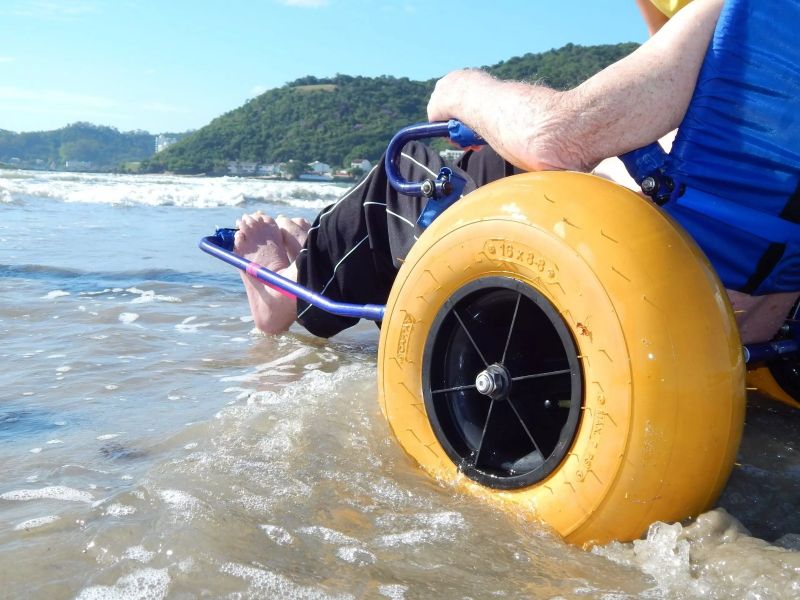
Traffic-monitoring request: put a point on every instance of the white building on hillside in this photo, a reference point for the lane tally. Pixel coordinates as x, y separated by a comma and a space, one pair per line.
320, 168
164, 141
361, 163
242, 168
269, 170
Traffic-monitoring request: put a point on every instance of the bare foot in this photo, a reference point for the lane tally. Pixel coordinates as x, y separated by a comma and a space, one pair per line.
295, 232
260, 240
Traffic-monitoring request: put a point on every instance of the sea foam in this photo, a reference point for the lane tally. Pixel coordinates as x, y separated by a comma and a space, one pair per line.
156, 190
53, 492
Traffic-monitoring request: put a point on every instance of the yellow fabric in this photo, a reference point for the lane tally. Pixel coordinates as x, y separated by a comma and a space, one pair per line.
669, 7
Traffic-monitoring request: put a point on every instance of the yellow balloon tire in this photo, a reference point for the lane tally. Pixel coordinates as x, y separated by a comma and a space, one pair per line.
663, 394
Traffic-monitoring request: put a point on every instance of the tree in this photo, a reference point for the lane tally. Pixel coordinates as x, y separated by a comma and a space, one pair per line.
294, 168
355, 172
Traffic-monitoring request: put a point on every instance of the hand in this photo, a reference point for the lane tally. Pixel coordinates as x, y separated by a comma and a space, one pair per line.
448, 100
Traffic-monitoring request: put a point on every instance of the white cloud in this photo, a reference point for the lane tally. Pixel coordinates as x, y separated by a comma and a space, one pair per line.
305, 3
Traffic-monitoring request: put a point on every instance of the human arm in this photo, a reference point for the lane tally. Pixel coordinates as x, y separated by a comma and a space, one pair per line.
625, 106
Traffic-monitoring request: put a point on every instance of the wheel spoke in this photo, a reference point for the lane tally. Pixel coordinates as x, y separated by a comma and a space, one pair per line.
458, 388
474, 345
483, 435
537, 375
511, 328
525, 427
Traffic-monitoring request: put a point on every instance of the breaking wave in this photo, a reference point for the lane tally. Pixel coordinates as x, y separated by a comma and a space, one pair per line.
163, 190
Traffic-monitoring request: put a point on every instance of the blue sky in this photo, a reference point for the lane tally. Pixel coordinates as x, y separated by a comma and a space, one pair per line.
173, 65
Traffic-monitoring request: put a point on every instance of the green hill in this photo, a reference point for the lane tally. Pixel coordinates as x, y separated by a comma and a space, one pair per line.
84, 145
340, 118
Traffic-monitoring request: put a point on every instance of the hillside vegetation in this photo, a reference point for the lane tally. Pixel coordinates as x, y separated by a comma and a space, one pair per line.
341, 118
97, 146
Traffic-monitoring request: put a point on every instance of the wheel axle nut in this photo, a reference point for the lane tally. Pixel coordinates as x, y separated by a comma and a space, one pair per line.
485, 383
494, 381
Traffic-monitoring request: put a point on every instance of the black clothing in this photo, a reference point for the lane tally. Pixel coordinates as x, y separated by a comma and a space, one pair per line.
356, 245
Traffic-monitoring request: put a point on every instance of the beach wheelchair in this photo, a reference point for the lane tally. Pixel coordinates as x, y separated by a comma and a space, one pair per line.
561, 347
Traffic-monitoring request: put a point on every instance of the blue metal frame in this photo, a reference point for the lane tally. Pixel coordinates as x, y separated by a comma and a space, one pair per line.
646, 166
455, 130
220, 245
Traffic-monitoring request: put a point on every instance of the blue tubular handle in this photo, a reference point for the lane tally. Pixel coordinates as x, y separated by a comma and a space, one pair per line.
220, 245
457, 131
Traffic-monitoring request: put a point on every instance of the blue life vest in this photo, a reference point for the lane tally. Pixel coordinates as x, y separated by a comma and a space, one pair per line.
735, 162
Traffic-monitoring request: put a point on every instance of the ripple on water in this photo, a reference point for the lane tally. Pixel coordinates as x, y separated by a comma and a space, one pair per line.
119, 510
53, 492
36, 522
269, 584
278, 534
145, 584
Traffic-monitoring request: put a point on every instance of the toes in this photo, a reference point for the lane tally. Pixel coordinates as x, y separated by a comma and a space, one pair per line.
251, 220
291, 244
302, 223
276, 239
255, 221
238, 238
296, 227
244, 223
294, 235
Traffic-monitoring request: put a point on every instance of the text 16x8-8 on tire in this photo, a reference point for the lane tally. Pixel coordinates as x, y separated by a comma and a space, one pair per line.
557, 345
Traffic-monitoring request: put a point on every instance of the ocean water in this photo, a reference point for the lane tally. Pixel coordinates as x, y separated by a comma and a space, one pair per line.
154, 446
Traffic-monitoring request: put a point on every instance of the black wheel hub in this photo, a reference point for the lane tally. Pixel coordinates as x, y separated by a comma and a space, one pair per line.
502, 383
494, 381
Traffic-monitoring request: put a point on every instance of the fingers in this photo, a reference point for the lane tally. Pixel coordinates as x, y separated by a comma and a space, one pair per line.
457, 91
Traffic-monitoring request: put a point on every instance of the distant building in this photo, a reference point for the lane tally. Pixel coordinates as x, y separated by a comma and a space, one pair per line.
164, 141
242, 168
270, 170
320, 168
361, 163
78, 164
451, 154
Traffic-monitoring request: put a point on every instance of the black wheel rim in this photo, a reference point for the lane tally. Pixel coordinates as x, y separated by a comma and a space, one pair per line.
502, 383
